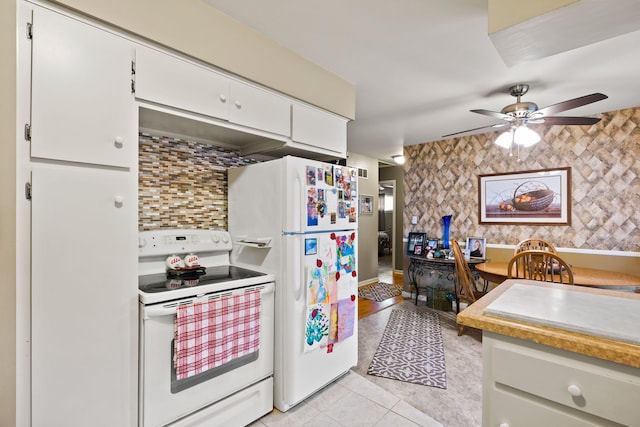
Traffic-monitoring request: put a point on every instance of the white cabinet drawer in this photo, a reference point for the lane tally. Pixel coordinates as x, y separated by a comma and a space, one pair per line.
509, 410
171, 81
319, 129
259, 109
600, 388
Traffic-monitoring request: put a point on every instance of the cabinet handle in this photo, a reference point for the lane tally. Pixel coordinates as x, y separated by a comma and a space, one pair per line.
223, 98
118, 142
574, 390
118, 201
238, 105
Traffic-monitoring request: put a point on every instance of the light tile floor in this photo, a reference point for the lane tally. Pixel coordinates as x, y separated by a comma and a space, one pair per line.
350, 401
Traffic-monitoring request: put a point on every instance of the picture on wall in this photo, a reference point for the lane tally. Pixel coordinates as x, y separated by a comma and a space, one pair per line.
366, 205
415, 243
541, 197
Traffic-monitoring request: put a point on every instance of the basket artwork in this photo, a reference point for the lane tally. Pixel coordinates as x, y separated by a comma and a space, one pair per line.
525, 198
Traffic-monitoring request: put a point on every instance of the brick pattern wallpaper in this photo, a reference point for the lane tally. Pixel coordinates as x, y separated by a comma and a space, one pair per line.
183, 184
441, 179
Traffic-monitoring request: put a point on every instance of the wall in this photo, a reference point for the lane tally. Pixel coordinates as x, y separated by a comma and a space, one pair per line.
367, 224
8, 133
441, 178
202, 32
396, 173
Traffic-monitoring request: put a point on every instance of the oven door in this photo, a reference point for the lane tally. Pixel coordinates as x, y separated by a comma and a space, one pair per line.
163, 398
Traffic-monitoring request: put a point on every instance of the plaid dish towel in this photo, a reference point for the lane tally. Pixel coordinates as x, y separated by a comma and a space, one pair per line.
210, 334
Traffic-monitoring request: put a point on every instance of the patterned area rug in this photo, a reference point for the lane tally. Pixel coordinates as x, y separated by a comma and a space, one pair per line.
411, 350
379, 291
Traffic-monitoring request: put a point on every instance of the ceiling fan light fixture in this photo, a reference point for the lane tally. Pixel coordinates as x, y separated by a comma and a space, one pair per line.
505, 139
525, 136
399, 159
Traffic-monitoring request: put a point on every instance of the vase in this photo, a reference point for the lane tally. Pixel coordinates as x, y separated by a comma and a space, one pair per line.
446, 220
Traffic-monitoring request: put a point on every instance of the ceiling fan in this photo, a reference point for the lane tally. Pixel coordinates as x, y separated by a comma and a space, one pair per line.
522, 113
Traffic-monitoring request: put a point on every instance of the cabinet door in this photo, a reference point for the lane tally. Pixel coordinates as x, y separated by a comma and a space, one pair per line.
259, 109
176, 83
82, 107
319, 129
84, 297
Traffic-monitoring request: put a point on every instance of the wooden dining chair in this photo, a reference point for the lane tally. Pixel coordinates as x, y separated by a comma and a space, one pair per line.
535, 244
540, 265
467, 286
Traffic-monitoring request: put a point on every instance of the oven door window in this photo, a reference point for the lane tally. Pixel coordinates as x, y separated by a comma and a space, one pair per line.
179, 385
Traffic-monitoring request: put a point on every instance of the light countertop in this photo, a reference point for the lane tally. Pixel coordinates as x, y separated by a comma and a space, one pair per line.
600, 335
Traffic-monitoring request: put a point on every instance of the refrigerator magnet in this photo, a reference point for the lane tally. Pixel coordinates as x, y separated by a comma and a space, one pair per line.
310, 246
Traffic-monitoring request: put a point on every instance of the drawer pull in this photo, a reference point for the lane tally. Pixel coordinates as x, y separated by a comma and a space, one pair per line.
574, 390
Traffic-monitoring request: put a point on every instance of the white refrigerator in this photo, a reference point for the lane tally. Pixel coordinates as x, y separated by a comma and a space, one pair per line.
297, 218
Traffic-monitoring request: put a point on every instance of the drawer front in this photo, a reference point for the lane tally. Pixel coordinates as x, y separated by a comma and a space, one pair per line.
604, 391
508, 410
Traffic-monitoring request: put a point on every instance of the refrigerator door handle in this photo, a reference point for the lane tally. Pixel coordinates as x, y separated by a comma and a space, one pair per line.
297, 274
298, 197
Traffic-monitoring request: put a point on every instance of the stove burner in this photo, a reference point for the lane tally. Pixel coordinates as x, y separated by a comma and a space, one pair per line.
165, 282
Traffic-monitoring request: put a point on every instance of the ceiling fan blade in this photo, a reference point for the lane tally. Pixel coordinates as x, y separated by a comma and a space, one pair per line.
562, 120
482, 129
569, 104
494, 114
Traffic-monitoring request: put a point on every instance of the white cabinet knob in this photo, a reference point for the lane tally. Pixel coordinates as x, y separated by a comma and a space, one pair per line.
574, 390
142, 242
118, 201
223, 98
118, 142
238, 105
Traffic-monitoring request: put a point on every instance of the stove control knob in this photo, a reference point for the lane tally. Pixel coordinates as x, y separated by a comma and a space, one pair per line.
225, 238
142, 242
215, 238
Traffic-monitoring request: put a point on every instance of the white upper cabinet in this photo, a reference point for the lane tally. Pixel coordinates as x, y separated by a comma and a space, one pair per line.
170, 81
259, 109
311, 126
82, 108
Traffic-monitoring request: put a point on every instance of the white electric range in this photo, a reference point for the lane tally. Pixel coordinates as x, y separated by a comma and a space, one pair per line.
234, 393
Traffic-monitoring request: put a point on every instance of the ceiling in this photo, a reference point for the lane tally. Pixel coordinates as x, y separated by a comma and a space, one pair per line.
419, 66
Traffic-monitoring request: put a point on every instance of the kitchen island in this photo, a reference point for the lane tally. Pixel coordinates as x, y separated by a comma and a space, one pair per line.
541, 373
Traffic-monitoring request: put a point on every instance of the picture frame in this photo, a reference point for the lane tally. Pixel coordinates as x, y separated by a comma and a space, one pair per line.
432, 243
415, 240
534, 197
366, 205
477, 247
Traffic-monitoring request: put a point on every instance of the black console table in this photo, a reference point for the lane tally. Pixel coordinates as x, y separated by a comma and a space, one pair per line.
447, 266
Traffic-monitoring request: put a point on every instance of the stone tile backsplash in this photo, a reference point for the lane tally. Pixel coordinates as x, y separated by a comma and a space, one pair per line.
183, 184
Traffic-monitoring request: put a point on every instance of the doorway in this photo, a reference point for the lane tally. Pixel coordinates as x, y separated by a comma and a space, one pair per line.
386, 230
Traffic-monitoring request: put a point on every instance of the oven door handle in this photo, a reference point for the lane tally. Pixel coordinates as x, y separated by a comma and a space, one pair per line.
150, 312
171, 310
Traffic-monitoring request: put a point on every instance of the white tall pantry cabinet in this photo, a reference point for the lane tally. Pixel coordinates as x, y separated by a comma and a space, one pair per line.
83, 163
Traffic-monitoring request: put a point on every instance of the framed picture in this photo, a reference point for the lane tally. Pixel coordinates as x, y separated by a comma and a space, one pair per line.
539, 197
366, 205
432, 244
477, 247
415, 240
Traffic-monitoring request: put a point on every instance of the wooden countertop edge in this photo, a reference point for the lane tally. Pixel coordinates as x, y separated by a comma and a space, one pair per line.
601, 348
